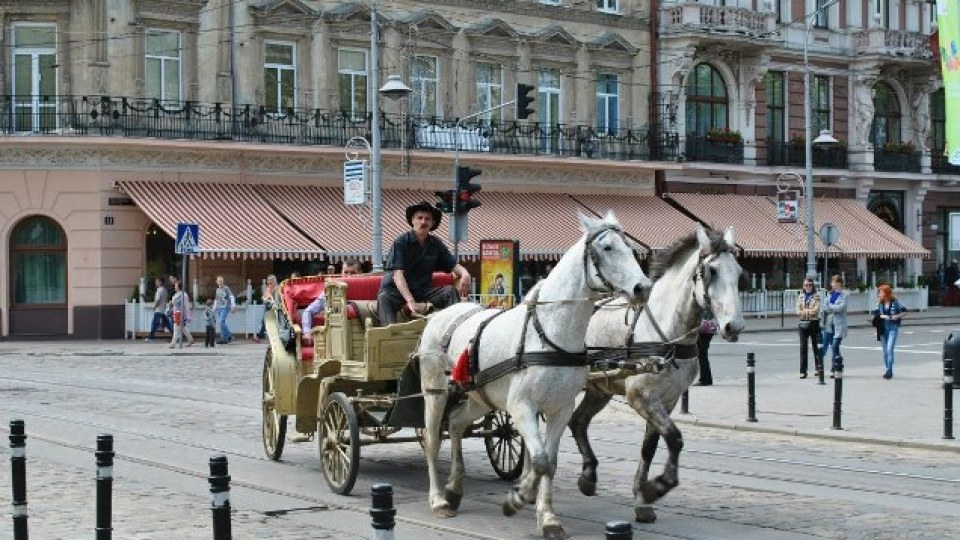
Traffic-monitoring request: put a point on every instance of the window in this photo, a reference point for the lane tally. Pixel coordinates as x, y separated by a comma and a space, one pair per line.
280, 76
425, 81
162, 48
707, 101
548, 97
822, 19
38, 262
886, 118
489, 90
608, 6
608, 102
776, 104
938, 123
352, 82
820, 103
34, 77
882, 8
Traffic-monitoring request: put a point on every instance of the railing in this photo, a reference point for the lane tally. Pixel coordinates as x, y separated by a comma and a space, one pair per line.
126, 117
695, 16
940, 165
884, 160
764, 303
138, 316
785, 153
893, 43
704, 149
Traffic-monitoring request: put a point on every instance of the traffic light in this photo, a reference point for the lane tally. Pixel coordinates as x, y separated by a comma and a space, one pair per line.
447, 197
524, 100
466, 191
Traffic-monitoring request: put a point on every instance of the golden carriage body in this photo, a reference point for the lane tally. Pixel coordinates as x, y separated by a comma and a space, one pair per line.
351, 381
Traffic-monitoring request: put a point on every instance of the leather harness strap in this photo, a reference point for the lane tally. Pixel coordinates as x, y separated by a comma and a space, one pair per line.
448, 335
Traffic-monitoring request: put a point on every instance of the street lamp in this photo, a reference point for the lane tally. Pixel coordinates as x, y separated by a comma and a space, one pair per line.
823, 138
393, 89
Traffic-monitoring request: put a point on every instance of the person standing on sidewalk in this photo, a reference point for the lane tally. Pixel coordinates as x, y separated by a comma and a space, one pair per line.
160, 319
808, 309
181, 316
267, 299
224, 304
834, 322
891, 312
708, 327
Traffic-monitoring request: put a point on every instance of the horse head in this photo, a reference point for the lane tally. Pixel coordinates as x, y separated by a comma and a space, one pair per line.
718, 277
610, 262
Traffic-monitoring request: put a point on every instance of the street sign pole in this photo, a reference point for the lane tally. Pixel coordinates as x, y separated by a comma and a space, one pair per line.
187, 243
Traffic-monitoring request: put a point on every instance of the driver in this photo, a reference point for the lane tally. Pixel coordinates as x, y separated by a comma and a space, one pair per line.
414, 257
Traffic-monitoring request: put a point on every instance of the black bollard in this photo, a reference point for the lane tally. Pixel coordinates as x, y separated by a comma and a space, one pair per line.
948, 398
838, 393
104, 486
220, 488
382, 511
18, 465
619, 530
751, 388
685, 402
820, 370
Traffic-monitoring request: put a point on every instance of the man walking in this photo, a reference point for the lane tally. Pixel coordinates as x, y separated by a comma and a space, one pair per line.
224, 304
159, 311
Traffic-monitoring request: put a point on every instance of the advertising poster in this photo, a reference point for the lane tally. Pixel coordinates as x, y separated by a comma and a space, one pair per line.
948, 27
787, 206
498, 275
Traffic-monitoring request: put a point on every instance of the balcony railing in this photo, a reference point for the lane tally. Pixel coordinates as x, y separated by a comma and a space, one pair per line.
694, 16
786, 153
890, 161
893, 43
127, 117
703, 149
940, 165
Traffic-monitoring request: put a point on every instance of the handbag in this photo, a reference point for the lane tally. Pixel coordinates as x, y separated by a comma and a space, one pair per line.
804, 325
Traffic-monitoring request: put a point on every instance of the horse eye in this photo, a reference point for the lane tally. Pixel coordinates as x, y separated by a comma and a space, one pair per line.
607, 248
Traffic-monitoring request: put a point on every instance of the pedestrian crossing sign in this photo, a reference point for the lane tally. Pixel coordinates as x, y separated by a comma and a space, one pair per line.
188, 239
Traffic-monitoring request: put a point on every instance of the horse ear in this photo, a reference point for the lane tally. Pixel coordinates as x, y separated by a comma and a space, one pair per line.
611, 218
729, 236
587, 223
703, 239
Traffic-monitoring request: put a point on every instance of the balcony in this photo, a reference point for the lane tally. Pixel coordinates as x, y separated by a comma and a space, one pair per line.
694, 17
704, 149
886, 160
940, 165
104, 116
794, 155
896, 43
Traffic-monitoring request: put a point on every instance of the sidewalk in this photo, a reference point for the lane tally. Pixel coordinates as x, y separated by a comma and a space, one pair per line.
934, 315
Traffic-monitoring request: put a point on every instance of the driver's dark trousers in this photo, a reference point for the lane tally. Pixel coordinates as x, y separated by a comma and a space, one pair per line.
390, 301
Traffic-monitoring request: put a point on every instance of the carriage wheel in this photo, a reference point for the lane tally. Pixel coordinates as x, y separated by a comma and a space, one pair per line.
339, 442
504, 445
274, 425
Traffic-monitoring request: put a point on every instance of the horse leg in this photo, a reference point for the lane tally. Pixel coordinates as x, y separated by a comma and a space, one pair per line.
434, 384
643, 512
547, 521
527, 424
594, 400
457, 423
668, 480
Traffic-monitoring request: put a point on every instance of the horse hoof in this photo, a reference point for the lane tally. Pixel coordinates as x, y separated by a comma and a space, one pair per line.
453, 499
587, 486
444, 512
644, 514
554, 532
508, 509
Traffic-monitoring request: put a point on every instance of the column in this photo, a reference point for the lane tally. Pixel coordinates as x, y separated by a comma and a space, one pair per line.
860, 116
864, 185
913, 221
584, 107
461, 85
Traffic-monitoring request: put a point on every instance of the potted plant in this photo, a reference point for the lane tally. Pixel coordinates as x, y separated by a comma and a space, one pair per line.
899, 148
724, 135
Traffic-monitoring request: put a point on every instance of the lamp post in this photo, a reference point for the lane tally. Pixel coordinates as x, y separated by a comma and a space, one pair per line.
823, 138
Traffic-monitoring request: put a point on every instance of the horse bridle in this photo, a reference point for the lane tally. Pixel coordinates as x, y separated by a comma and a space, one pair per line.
590, 256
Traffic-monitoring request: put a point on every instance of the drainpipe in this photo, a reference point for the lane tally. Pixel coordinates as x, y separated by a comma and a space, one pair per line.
232, 23
659, 176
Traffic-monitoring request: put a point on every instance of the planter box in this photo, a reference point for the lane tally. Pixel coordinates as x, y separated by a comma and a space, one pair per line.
703, 149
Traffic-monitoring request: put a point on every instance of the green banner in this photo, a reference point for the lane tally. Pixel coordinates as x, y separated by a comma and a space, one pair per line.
948, 24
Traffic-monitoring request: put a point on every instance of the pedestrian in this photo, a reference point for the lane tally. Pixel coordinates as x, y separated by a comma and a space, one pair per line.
414, 257
834, 322
210, 318
708, 327
224, 303
160, 319
808, 309
891, 312
331, 269
350, 268
181, 316
267, 298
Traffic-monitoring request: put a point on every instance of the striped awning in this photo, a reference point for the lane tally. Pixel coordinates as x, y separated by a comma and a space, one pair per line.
235, 222
650, 220
760, 234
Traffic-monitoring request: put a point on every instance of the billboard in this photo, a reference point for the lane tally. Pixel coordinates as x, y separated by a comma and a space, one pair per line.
948, 28
787, 206
498, 272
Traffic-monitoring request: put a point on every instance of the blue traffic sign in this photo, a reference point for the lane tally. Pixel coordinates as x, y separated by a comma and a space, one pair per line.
188, 239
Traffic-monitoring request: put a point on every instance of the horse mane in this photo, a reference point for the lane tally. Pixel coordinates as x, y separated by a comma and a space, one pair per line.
680, 250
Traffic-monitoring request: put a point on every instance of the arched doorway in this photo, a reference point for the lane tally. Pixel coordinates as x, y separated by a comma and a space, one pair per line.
38, 272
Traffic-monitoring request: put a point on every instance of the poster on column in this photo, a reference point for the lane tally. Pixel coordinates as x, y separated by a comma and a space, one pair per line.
787, 206
948, 29
498, 272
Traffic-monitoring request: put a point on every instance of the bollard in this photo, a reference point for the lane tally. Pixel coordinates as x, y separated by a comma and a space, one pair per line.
818, 359
751, 388
685, 402
18, 465
382, 511
951, 350
838, 393
948, 398
104, 486
220, 488
619, 530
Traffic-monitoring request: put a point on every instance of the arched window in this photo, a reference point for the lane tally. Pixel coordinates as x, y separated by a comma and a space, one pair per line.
707, 101
886, 118
38, 262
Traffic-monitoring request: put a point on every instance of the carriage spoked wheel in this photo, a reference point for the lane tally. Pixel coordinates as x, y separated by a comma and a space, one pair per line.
274, 425
504, 445
339, 443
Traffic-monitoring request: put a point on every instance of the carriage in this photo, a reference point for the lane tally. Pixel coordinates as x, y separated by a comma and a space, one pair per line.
350, 382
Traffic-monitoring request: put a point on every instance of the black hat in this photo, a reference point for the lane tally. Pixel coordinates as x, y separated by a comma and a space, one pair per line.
424, 206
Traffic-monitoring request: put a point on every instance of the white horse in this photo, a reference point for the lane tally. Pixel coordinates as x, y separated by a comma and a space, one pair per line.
698, 272
547, 331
